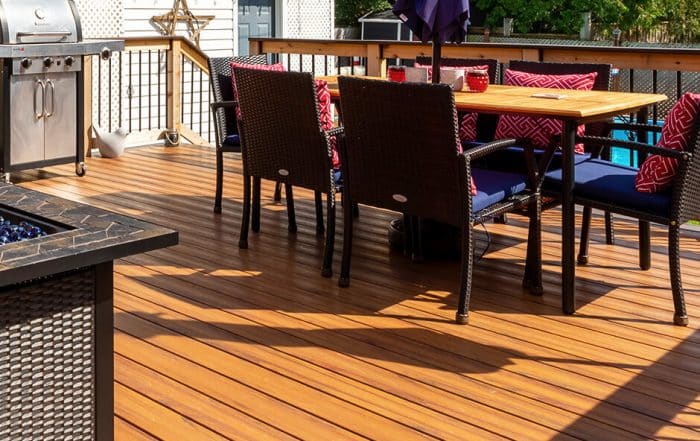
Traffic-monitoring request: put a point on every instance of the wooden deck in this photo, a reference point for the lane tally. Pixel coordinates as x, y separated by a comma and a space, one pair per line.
213, 342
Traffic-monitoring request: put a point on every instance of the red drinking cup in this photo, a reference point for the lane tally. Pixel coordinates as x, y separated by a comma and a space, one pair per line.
396, 74
478, 80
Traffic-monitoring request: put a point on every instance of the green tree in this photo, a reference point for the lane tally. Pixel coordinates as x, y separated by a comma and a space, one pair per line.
348, 11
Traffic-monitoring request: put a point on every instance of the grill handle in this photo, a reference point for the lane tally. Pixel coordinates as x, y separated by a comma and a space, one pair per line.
37, 87
50, 86
54, 34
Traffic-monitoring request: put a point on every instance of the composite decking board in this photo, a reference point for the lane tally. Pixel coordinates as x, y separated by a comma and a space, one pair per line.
244, 398
539, 391
155, 419
211, 413
485, 415
380, 279
125, 431
347, 389
648, 404
161, 329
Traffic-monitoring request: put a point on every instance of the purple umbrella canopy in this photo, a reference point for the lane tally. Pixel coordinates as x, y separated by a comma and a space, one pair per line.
436, 20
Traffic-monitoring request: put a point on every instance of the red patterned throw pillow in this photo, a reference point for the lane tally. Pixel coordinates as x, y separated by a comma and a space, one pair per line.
467, 127
540, 131
323, 95
657, 172
278, 67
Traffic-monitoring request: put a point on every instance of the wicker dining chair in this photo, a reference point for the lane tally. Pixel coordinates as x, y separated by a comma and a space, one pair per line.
401, 152
223, 106
282, 140
611, 187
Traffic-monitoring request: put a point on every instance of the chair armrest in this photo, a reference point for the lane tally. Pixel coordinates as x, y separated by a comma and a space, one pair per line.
335, 131
492, 147
222, 104
638, 146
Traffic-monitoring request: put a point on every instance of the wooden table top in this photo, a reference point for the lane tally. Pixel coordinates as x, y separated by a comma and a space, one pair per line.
582, 105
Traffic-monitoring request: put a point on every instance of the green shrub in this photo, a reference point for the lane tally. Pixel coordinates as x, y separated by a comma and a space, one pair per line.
348, 11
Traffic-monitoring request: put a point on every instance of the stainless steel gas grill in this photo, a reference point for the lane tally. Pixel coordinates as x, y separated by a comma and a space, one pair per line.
41, 93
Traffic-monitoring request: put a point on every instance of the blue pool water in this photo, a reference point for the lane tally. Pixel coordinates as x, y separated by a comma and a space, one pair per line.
622, 155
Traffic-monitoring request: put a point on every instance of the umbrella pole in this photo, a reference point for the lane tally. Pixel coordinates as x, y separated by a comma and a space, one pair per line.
437, 55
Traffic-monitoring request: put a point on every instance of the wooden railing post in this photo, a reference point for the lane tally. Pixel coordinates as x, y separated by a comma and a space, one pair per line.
174, 82
376, 63
87, 105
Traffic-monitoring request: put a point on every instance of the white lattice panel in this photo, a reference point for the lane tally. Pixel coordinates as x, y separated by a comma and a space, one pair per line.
103, 19
309, 19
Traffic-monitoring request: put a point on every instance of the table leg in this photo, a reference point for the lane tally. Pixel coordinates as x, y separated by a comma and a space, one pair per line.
568, 219
104, 352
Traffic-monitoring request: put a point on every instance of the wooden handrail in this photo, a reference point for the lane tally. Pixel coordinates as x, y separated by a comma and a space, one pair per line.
651, 58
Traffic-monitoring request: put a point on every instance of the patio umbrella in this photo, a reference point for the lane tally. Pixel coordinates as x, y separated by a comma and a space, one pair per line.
437, 20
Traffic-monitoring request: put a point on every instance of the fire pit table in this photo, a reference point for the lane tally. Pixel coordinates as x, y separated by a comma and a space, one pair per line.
56, 317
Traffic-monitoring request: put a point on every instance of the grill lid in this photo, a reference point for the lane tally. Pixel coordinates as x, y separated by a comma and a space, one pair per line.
39, 21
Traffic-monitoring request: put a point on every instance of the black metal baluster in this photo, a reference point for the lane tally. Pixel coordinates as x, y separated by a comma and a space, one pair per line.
130, 91
191, 96
140, 90
110, 93
633, 153
201, 99
121, 85
99, 93
150, 91
160, 73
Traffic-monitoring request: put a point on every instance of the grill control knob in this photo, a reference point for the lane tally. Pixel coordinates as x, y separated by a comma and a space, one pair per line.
48, 61
26, 63
69, 61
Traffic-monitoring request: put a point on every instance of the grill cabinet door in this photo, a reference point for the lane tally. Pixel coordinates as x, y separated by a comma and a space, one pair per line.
27, 131
61, 105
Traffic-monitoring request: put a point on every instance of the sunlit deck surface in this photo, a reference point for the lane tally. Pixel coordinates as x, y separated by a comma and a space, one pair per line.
213, 342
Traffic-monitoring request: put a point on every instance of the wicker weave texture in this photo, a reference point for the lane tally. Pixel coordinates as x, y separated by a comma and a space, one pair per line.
222, 88
386, 129
281, 130
47, 359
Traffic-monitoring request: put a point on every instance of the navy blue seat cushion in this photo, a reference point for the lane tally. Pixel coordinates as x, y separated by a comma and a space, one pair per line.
232, 141
494, 186
610, 183
513, 158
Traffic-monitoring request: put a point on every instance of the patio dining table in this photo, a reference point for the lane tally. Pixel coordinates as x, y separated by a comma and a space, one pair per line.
572, 107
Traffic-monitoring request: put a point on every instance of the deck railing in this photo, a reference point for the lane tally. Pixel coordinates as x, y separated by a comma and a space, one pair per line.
160, 85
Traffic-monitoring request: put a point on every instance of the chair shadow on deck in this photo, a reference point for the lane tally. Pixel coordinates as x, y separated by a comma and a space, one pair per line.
419, 347
280, 259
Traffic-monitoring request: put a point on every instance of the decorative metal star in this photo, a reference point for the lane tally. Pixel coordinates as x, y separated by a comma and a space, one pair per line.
181, 13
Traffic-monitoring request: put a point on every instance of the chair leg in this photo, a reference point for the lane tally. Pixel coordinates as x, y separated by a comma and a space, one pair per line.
256, 205
609, 229
644, 245
355, 211
291, 215
417, 254
407, 235
278, 191
319, 213
680, 316
533, 264
502, 219
344, 280
219, 180
245, 221
327, 270
465, 282
585, 236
